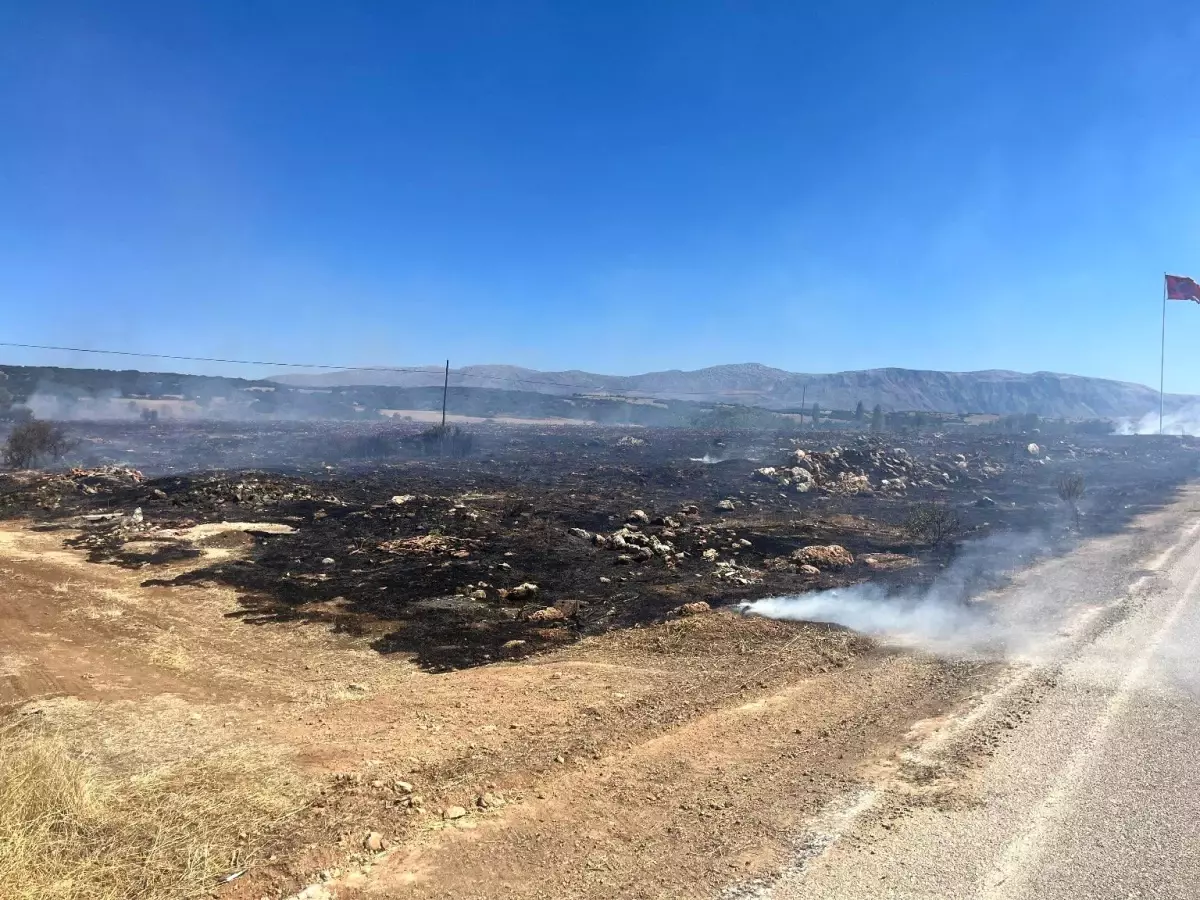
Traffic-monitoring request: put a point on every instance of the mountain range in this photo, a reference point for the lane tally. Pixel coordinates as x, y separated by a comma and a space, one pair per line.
993, 391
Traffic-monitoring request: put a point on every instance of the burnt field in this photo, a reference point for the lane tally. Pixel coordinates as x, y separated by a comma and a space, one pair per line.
534, 538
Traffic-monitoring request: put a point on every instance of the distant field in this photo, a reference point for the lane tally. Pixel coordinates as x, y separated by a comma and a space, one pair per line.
434, 415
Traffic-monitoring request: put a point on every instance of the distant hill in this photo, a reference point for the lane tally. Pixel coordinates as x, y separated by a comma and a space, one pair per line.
993, 391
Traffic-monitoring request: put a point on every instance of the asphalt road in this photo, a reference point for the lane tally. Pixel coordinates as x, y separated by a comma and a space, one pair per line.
1080, 779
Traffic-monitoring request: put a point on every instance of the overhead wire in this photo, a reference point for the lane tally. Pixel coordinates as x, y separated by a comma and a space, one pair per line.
425, 370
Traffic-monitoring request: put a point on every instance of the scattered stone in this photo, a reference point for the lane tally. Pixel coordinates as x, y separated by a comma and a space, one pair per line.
375, 842
581, 533
489, 801
709, 554
829, 556
985, 502
523, 591
453, 812
806, 569
726, 506
401, 499
547, 614
1033, 450
692, 609
328, 561
639, 516
403, 787
604, 579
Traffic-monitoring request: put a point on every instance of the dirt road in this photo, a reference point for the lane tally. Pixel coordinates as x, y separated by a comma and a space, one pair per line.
1096, 793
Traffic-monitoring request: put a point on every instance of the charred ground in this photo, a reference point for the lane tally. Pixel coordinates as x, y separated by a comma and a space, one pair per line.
539, 536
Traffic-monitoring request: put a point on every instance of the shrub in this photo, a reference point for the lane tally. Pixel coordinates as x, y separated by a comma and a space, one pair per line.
446, 440
1070, 490
934, 523
33, 440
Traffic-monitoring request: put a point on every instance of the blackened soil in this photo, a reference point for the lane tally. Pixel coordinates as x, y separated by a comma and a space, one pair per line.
426, 552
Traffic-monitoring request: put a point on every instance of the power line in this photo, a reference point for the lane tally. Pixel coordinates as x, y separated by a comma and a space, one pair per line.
295, 365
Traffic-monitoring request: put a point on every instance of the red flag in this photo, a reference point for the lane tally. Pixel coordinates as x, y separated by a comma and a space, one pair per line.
1180, 287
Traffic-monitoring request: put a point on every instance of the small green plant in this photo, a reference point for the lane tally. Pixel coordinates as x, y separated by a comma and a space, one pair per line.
1070, 491
933, 523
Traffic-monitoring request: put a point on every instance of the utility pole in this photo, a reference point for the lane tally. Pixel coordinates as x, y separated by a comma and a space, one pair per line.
445, 391
803, 394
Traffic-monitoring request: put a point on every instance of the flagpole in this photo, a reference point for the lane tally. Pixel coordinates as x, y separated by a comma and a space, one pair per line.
1162, 357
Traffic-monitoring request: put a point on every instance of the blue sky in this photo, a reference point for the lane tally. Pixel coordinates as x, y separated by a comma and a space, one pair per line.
610, 186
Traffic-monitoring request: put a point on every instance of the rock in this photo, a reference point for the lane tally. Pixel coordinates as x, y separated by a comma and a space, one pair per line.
453, 812
1033, 450
416, 801
581, 533
709, 554
547, 614
358, 686
742, 542
328, 561
489, 801
401, 499
767, 473
604, 579
985, 502
692, 609
158, 494
829, 556
690, 510
624, 559
726, 506
523, 591
313, 892
513, 644
639, 516
806, 569
375, 842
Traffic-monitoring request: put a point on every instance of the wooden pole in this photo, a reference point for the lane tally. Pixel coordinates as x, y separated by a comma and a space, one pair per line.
803, 394
1162, 357
445, 391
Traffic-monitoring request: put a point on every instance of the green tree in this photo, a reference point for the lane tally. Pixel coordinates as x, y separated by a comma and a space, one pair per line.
877, 418
860, 412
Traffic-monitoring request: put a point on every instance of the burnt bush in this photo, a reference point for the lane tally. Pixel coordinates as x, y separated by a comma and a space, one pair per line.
373, 446
933, 523
1070, 491
445, 440
32, 441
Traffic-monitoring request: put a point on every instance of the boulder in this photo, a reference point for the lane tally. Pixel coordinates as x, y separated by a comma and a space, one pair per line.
827, 556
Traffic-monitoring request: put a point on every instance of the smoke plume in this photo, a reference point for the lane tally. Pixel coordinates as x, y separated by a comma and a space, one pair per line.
945, 616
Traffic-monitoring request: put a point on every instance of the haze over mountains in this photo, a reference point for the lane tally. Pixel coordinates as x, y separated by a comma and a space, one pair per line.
992, 391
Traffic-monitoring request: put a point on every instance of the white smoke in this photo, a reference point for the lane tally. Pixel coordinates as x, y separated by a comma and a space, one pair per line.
1185, 420
946, 616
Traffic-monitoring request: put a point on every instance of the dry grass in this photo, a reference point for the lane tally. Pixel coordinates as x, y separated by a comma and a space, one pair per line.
70, 830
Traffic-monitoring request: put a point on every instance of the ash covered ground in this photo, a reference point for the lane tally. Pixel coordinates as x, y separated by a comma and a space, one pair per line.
536, 537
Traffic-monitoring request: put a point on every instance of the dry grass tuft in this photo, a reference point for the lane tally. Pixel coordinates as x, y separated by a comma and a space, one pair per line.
71, 831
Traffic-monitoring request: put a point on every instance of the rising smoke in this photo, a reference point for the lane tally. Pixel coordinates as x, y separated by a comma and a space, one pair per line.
945, 616
1185, 420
